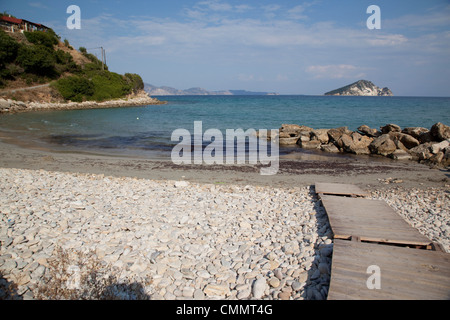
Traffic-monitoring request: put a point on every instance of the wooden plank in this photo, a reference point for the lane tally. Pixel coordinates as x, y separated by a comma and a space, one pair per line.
370, 220
404, 273
340, 189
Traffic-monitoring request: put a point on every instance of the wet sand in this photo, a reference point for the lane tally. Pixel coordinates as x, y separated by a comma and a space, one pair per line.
296, 169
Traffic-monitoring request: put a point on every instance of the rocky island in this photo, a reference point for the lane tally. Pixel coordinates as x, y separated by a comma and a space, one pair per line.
360, 88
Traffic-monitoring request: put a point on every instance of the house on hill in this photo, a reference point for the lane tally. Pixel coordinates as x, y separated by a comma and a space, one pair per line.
11, 24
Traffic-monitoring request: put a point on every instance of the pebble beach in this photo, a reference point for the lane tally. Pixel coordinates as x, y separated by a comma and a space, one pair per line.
186, 240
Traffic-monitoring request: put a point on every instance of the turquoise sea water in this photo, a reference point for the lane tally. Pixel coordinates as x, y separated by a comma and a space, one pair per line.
146, 131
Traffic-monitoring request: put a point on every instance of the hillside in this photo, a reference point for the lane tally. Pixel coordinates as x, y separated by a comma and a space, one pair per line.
30, 59
360, 88
169, 91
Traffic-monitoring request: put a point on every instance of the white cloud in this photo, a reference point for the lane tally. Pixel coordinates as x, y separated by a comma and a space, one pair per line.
214, 5
297, 12
37, 5
387, 40
427, 21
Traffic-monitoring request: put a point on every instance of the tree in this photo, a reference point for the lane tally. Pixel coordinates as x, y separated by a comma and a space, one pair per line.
37, 59
135, 81
8, 49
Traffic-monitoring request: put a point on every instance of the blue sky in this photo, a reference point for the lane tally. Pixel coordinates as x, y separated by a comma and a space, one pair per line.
289, 47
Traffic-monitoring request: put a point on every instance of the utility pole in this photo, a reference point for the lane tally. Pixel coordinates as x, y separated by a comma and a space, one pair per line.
103, 56
103, 63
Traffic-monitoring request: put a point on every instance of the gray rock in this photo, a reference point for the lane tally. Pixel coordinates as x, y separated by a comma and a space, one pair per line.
296, 285
440, 131
329, 148
390, 128
415, 131
383, 145
199, 295
259, 286
366, 130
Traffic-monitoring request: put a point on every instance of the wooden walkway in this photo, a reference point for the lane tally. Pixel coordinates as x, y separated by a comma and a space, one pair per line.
370, 220
340, 189
405, 273
370, 233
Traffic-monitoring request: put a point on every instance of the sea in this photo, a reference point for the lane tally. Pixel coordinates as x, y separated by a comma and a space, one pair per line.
146, 131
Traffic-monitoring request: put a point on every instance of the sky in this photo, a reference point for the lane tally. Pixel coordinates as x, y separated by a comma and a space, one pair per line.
283, 46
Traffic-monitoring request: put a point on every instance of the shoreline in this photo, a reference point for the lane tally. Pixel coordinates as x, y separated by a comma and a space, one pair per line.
295, 169
134, 100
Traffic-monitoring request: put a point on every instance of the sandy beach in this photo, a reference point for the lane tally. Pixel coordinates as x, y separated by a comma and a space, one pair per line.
196, 232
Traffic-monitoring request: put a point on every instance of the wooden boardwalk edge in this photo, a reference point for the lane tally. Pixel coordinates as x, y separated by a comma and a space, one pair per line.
382, 239
404, 273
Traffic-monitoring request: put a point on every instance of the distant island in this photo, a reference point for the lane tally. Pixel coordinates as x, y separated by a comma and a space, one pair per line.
169, 91
360, 88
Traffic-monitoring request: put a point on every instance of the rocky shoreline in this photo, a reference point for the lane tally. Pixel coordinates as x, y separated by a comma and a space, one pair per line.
430, 146
183, 240
139, 99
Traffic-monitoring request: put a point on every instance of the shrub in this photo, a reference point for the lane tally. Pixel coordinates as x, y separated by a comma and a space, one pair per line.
37, 59
8, 49
75, 88
82, 276
109, 85
47, 39
8, 289
135, 81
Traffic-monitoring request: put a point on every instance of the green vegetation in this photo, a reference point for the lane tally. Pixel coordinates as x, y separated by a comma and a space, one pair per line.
38, 62
41, 61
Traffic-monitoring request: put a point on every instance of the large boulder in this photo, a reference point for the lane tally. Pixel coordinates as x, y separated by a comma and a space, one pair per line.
4, 104
329, 148
294, 129
390, 128
321, 135
366, 130
383, 145
287, 140
441, 146
406, 140
291, 133
335, 135
311, 144
422, 151
356, 143
440, 131
425, 137
415, 131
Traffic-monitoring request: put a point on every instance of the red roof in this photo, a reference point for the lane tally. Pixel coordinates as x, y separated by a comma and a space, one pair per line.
10, 19
19, 21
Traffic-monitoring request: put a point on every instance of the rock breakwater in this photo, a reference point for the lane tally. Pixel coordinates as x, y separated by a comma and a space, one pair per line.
431, 146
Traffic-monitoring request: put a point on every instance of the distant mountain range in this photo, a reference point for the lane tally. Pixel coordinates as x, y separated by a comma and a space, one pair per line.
360, 88
169, 91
